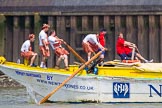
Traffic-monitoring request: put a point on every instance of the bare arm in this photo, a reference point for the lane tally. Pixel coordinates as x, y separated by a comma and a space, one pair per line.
45, 44
126, 43
58, 39
100, 46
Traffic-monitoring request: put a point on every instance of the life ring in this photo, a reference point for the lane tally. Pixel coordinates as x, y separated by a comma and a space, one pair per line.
130, 61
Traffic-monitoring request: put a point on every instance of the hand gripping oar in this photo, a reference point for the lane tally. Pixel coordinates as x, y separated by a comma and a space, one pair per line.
90, 69
69, 78
75, 53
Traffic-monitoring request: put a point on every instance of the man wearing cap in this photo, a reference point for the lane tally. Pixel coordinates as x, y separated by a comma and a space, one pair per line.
26, 50
43, 44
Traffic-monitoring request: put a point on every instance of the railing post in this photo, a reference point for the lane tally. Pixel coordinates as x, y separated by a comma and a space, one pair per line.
37, 29
2, 36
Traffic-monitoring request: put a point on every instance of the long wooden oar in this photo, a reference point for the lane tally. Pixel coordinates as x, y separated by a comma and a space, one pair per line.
75, 53
69, 78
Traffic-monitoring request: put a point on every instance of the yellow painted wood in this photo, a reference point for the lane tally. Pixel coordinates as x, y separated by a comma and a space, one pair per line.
124, 72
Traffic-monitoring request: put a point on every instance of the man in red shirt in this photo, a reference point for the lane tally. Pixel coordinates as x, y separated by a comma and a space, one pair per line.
120, 47
101, 39
124, 49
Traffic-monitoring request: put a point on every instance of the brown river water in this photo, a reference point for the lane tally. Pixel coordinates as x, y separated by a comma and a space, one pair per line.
13, 97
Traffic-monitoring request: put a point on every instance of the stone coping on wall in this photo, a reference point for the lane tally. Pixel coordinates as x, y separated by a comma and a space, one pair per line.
61, 7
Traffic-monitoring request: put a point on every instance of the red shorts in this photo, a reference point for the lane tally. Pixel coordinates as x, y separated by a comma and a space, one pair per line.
45, 53
27, 54
89, 48
61, 51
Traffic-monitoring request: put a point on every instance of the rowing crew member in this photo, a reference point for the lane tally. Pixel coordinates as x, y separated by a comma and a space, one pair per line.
26, 50
61, 52
91, 45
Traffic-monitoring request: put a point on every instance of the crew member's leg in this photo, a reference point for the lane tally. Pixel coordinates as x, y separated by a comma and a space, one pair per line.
34, 55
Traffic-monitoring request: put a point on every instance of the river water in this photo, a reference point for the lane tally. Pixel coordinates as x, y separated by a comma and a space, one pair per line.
18, 98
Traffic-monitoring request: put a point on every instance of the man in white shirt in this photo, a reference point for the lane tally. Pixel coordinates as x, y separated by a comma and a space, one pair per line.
90, 45
26, 50
55, 43
43, 45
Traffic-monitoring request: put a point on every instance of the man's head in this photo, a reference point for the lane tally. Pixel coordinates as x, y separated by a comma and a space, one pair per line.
52, 33
97, 34
121, 35
45, 27
31, 37
103, 31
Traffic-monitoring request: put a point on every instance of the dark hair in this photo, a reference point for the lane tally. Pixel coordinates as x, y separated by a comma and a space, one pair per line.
103, 30
51, 32
31, 36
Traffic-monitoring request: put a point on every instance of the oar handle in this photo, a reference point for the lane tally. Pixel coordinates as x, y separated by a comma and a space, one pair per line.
133, 52
70, 77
